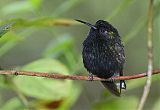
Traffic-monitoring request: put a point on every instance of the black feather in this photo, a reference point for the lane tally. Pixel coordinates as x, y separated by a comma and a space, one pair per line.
103, 54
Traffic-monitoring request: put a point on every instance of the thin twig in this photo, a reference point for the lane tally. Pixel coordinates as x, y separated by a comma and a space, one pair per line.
150, 57
75, 77
41, 22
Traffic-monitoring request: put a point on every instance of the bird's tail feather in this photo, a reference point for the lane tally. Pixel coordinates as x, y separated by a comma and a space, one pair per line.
112, 87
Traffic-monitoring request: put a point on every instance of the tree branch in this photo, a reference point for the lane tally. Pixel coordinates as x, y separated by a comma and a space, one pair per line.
150, 57
75, 77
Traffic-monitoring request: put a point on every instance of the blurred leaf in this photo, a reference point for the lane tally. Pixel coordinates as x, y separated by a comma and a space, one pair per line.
72, 60
5, 28
11, 39
5, 81
156, 8
13, 104
10, 36
133, 84
141, 23
47, 65
51, 22
18, 6
36, 3
6, 47
2, 82
59, 46
48, 89
65, 6
156, 105
136, 28
63, 46
122, 103
139, 82
45, 21
63, 104
72, 97
120, 8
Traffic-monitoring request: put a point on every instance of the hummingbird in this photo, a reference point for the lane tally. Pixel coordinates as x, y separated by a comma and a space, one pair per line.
103, 54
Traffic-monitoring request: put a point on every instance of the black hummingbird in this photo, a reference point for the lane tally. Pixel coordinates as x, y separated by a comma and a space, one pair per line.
103, 54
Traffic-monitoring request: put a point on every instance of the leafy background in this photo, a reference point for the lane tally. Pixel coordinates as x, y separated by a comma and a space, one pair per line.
45, 38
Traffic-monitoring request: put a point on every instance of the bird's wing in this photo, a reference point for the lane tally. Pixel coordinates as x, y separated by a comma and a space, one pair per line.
120, 53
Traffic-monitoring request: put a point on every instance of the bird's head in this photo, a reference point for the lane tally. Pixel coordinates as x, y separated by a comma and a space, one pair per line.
102, 29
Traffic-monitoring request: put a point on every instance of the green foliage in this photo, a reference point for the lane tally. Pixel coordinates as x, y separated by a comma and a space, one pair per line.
5, 28
21, 6
118, 104
156, 105
65, 6
120, 8
62, 45
13, 104
47, 89
2, 82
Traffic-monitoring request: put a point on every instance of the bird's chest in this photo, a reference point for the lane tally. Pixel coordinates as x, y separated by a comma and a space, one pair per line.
99, 52
99, 57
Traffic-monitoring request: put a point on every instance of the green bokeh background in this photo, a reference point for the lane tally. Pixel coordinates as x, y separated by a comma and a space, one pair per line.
35, 43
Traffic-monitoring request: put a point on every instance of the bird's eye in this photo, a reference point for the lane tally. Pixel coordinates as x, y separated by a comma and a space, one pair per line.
103, 31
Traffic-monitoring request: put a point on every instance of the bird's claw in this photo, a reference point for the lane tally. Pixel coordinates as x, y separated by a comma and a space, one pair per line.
90, 77
112, 79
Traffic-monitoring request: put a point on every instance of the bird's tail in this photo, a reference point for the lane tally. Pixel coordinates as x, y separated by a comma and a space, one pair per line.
113, 88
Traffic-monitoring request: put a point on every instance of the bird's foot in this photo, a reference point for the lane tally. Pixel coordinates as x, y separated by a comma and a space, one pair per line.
90, 77
112, 79
16, 73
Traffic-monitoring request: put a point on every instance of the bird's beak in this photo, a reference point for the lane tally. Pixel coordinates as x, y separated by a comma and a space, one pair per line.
88, 24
